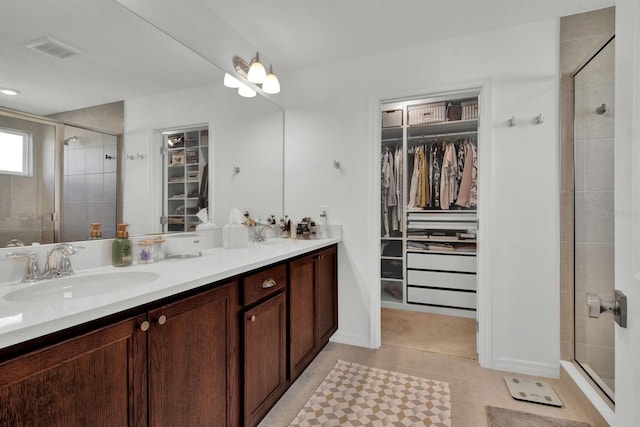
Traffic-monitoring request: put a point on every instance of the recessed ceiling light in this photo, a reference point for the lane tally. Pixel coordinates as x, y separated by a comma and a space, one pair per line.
10, 92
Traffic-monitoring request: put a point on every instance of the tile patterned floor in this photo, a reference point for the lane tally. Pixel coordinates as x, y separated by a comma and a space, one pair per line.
360, 395
472, 387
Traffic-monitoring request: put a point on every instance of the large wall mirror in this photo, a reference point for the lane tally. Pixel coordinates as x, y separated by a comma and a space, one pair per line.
92, 124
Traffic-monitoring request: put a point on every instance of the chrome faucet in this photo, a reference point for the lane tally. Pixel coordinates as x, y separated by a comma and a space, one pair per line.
32, 271
58, 262
260, 235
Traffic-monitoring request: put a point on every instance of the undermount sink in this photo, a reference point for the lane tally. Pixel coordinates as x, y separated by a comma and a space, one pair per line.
74, 287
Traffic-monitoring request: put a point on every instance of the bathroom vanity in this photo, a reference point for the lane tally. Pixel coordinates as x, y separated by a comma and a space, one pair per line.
206, 343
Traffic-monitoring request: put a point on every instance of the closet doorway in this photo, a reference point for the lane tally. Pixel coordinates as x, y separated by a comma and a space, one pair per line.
428, 233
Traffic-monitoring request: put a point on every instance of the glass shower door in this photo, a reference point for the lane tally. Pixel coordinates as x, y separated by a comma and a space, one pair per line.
594, 214
27, 180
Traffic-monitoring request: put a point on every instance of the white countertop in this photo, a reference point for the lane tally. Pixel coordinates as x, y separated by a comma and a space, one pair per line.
22, 321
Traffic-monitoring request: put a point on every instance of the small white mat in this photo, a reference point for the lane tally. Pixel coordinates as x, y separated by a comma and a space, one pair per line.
535, 391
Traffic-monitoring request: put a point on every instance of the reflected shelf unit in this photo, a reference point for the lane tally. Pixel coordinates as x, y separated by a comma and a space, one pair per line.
185, 156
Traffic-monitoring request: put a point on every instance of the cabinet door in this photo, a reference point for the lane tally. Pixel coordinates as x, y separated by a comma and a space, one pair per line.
96, 379
326, 296
193, 360
265, 357
301, 314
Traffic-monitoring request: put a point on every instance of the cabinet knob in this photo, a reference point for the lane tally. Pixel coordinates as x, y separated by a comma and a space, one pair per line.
253, 318
269, 283
144, 326
162, 320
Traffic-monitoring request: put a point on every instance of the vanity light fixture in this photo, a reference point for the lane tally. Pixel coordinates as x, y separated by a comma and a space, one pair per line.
230, 81
256, 73
9, 92
271, 83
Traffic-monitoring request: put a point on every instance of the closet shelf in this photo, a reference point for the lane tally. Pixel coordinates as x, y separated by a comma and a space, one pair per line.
442, 128
427, 251
429, 239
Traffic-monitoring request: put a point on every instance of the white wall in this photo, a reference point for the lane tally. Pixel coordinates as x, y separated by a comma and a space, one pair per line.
332, 112
243, 132
627, 208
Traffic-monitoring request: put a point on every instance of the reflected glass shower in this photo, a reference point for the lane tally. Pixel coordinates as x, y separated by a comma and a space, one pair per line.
27, 200
594, 215
71, 180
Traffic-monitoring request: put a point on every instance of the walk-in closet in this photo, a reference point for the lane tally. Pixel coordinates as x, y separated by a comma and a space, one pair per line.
428, 237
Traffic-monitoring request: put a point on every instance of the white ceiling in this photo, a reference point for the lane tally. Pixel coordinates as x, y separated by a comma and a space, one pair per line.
295, 33
126, 57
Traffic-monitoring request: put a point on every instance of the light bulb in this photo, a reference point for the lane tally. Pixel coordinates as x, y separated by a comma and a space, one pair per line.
271, 83
256, 73
246, 92
230, 81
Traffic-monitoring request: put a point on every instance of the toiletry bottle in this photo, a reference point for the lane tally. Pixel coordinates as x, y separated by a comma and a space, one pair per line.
327, 225
293, 229
121, 249
322, 227
96, 231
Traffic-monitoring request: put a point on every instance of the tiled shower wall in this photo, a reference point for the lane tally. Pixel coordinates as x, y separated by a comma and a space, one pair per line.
90, 186
580, 35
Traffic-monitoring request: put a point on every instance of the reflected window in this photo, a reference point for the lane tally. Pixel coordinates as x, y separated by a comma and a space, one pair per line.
15, 152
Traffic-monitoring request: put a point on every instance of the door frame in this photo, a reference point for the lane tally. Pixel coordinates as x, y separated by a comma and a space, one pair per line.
484, 319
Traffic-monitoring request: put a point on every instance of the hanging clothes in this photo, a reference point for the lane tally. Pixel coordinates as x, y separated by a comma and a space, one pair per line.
464, 194
436, 164
448, 176
399, 185
424, 179
474, 176
414, 188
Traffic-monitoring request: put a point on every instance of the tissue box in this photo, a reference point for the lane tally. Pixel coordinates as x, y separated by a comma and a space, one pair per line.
184, 244
235, 236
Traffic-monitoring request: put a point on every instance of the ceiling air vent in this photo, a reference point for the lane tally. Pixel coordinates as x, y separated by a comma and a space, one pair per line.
52, 47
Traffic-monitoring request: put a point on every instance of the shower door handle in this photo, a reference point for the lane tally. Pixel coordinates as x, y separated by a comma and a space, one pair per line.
617, 307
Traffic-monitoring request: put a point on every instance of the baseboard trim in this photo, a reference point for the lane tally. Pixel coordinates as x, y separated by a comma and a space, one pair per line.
526, 367
589, 393
351, 339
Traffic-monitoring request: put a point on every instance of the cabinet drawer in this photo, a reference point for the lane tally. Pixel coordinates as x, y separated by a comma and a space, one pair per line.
445, 262
439, 279
264, 283
441, 297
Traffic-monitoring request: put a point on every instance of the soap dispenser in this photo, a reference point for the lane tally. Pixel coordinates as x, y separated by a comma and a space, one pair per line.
121, 249
96, 231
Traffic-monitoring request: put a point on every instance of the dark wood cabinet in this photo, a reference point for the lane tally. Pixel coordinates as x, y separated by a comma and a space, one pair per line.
313, 307
265, 341
221, 356
96, 379
326, 295
265, 356
192, 360
175, 365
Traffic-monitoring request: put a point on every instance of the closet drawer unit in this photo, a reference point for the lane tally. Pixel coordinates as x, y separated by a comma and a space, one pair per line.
438, 279
427, 113
443, 262
441, 298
